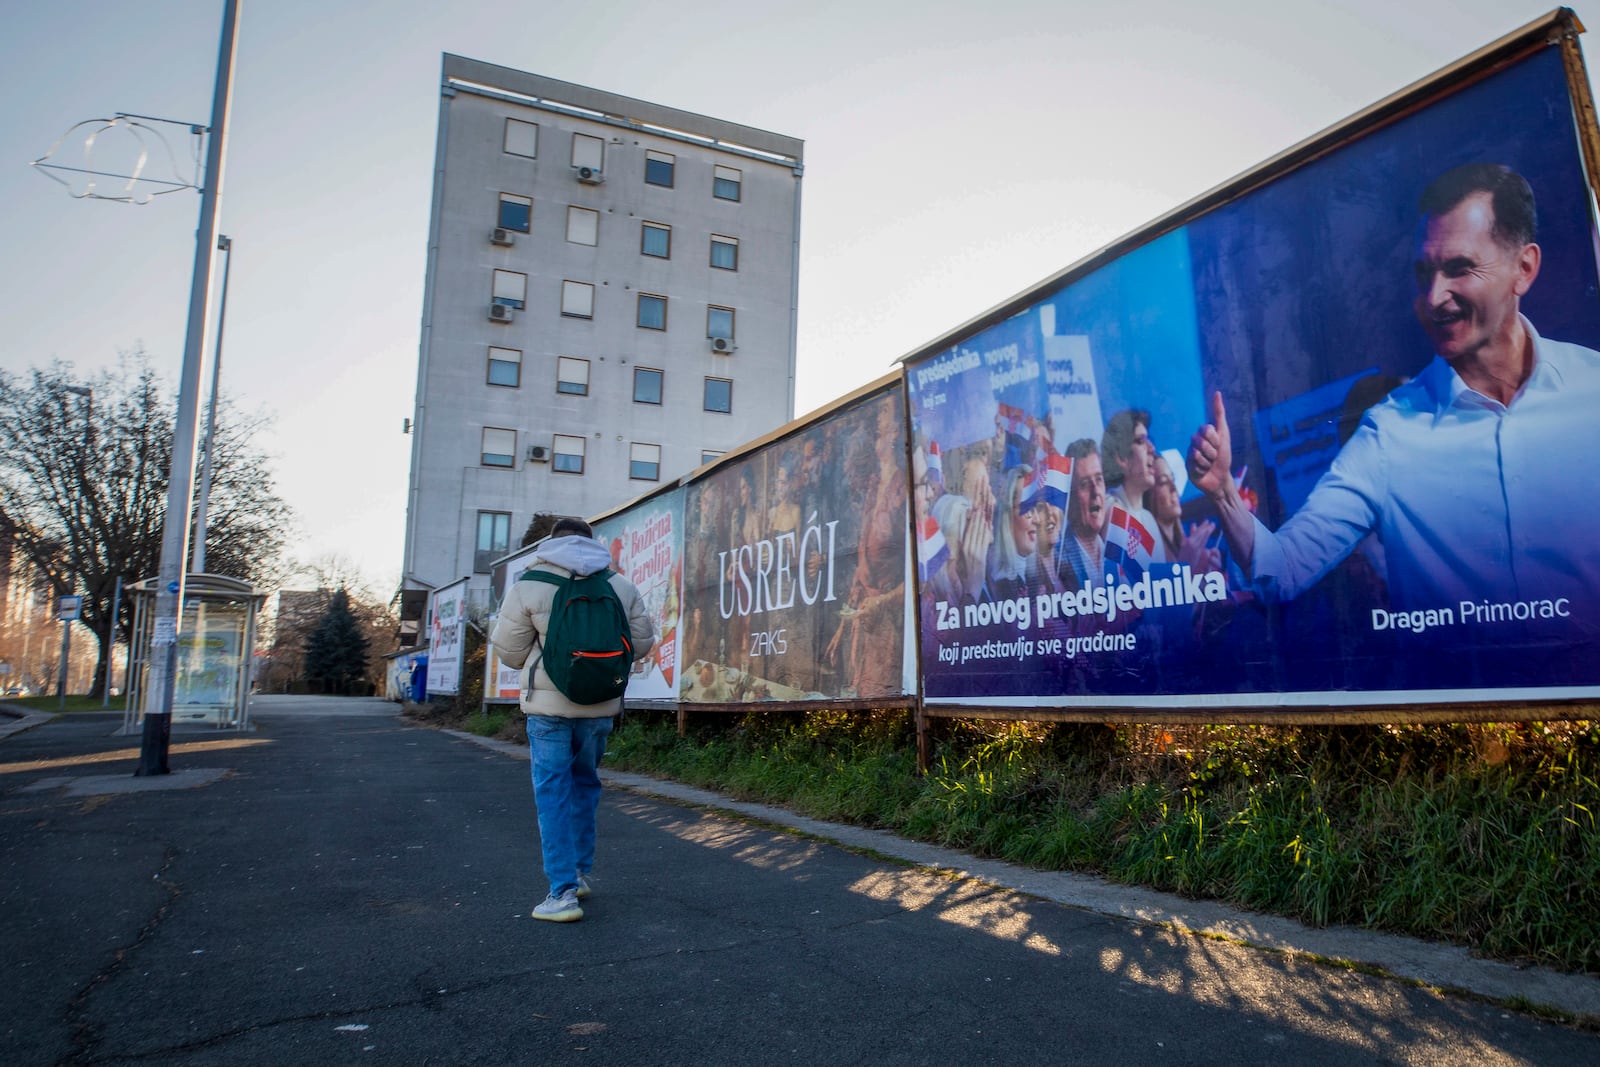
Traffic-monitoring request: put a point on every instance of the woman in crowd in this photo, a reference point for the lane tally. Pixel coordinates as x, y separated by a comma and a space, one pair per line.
1182, 546
1015, 567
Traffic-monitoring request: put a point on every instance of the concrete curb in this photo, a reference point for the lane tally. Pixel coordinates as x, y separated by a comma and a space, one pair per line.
14, 720
1446, 967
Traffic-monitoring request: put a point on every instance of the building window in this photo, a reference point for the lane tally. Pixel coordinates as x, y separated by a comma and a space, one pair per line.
719, 395
510, 288
588, 152
499, 447
719, 322
516, 212
658, 167
505, 366
655, 240
568, 458
724, 252
644, 462
577, 300
646, 385
521, 138
572, 376
707, 455
652, 312
494, 539
725, 183
583, 226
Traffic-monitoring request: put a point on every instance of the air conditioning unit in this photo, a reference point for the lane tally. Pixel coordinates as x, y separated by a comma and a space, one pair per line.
502, 236
538, 454
501, 313
589, 175
723, 346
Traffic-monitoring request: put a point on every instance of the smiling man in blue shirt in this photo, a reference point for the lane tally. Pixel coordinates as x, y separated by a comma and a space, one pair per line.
1471, 474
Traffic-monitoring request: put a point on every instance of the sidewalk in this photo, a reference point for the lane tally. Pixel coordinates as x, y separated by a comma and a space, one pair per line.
14, 719
339, 886
1441, 966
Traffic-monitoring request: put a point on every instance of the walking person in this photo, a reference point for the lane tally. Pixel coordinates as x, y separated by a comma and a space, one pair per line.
544, 620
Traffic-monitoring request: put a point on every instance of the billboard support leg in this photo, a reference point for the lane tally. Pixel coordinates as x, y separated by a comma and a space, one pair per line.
920, 719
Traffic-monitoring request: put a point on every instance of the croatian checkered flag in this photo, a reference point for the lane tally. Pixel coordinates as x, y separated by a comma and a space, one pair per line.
1128, 544
1050, 483
1016, 420
1019, 434
1057, 480
1042, 445
935, 464
932, 551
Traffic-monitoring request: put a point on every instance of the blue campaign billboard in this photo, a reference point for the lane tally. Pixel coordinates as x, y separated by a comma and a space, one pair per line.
1328, 442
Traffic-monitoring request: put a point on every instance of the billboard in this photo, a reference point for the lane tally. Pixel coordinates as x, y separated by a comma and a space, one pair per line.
646, 543
1325, 443
447, 631
795, 577
502, 684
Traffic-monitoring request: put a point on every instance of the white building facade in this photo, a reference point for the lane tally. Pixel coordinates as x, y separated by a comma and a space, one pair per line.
610, 302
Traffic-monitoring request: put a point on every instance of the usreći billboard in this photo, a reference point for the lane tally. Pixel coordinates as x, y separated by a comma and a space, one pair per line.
795, 571
1330, 442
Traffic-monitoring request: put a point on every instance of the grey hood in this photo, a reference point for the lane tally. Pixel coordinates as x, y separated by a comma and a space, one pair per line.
578, 554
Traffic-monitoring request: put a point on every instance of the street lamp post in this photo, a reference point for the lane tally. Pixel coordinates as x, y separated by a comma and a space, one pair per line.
225, 246
111, 642
66, 651
87, 394
156, 740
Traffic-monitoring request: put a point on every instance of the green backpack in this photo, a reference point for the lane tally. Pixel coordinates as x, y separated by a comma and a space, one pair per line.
587, 652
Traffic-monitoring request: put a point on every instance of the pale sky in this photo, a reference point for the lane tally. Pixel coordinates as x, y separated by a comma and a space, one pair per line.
955, 155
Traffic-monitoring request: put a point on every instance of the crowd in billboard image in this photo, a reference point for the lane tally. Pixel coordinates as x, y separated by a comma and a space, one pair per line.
646, 544
796, 587
1335, 436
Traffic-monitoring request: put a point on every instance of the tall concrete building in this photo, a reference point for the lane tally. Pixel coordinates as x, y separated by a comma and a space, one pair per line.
609, 303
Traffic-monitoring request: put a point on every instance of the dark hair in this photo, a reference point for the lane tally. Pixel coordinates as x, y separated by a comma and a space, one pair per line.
569, 524
1083, 446
1516, 218
1117, 441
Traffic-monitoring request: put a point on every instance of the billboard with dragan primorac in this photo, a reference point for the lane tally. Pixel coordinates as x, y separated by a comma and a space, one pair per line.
1332, 442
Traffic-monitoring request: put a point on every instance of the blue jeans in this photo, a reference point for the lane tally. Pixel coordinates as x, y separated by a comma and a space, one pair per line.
566, 756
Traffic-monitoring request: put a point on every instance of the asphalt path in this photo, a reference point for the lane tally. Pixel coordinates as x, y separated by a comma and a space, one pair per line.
338, 886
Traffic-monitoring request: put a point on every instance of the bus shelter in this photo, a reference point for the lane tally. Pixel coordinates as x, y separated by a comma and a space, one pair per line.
215, 637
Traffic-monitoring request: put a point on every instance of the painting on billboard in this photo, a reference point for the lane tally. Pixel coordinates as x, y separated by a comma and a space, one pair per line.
795, 583
1328, 442
646, 544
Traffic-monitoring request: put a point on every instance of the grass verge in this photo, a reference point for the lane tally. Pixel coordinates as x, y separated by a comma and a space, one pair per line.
74, 703
1482, 835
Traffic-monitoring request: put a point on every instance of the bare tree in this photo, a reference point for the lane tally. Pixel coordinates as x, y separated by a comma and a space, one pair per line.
83, 484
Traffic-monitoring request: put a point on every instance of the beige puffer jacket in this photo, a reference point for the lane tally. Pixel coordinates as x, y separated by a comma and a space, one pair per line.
525, 613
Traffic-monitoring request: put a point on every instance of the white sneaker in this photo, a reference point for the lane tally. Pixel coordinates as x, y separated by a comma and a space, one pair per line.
584, 888
562, 909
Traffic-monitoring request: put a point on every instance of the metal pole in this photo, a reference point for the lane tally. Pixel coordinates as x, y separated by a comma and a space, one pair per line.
224, 245
87, 395
111, 641
158, 696
134, 677
66, 650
